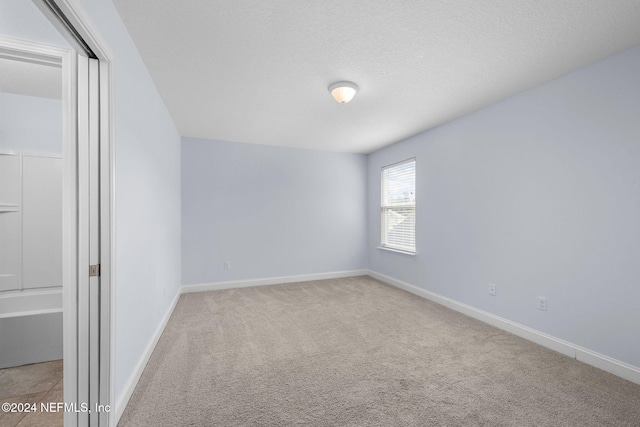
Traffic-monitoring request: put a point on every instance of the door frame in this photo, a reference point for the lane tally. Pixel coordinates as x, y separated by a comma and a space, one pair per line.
76, 27
28, 51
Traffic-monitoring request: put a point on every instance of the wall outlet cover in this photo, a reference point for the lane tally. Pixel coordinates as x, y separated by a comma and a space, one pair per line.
542, 303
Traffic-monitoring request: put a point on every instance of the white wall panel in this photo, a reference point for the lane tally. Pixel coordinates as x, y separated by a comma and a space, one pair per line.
9, 179
42, 222
9, 251
9, 222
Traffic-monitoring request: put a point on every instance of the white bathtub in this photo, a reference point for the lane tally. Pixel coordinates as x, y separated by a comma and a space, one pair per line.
30, 327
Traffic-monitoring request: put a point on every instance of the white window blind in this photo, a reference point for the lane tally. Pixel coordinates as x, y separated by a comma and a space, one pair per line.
398, 207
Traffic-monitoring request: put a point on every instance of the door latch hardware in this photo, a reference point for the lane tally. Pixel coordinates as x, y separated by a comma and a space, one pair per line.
94, 270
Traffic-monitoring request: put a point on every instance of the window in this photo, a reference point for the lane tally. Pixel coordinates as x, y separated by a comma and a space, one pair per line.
398, 207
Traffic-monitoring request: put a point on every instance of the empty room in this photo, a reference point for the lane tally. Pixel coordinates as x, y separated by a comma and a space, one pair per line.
339, 213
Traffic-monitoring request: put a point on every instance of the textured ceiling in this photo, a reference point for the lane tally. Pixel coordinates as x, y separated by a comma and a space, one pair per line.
258, 71
26, 78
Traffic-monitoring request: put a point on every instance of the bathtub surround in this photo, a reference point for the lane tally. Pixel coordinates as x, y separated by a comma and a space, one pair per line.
30, 258
31, 219
30, 326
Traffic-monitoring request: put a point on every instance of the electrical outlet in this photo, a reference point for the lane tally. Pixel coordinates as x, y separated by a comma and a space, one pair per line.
227, 265
542, 303
492, 289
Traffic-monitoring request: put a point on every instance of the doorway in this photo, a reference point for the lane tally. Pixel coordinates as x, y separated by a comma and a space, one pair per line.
86, 210
30, 211
31, 303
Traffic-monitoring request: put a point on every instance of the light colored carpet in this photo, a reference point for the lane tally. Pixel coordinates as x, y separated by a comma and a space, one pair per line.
357, 352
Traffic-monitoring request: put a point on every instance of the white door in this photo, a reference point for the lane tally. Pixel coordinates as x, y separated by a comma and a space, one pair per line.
89, 283
89, 226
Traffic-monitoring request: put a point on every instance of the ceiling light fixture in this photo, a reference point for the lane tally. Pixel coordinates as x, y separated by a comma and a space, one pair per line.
343, 92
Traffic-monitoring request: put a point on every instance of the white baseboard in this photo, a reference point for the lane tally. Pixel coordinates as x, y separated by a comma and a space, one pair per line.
600, 361
123, 400
233, 284
616, 367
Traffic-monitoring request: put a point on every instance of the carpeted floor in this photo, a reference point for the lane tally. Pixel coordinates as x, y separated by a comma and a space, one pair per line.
357, 352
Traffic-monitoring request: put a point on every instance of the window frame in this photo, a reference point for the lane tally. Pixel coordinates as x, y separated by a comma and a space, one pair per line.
385, 206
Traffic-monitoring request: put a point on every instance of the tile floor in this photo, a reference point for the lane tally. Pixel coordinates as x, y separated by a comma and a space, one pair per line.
37, 383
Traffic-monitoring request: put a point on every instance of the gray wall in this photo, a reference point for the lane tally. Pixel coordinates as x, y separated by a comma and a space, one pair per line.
270, 211
22, 19
147, 198
539, 194
30, 123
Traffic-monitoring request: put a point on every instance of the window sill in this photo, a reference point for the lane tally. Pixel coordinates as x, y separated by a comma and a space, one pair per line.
398, 251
